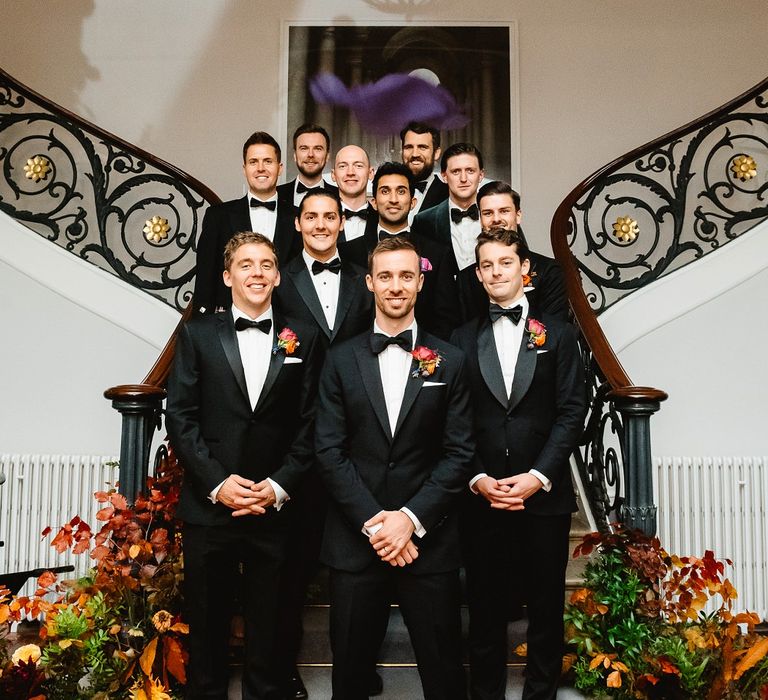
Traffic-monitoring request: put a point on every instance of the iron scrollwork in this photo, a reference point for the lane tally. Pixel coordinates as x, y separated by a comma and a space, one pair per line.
93, 196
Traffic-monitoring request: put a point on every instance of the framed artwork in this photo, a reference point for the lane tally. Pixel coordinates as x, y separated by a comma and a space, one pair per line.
477, 63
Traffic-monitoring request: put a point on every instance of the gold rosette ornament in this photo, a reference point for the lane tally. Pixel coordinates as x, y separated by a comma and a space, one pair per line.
625, 229
37, 168
156, 229
744, 167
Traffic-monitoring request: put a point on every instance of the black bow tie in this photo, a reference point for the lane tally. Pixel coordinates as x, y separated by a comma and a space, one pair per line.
514, 314
267, 205
334, 266
264, 325
362, 213
386, 234
379, 341
301, 188
457, 214
421, 185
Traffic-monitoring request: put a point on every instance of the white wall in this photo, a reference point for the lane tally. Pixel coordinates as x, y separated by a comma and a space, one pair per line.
189, 79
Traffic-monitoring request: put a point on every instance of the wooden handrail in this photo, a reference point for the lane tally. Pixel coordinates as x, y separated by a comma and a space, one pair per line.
561, 229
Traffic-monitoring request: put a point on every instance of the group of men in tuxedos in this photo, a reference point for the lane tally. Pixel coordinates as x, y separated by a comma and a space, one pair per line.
397, 395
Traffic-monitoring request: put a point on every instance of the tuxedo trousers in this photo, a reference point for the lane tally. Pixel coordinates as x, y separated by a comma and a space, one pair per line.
429, 603
522, 555
213, 558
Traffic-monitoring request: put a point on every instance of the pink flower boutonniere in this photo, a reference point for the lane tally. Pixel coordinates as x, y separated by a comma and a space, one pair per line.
287, 341
425, 265
429, 360
537, 333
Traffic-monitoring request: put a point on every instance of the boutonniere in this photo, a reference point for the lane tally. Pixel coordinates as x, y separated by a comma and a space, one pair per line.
287, 341
429, 360
528, 280
537, 333
425, 265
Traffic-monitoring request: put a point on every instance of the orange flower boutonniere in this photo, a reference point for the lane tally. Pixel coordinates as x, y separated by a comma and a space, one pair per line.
537, 333
287, 341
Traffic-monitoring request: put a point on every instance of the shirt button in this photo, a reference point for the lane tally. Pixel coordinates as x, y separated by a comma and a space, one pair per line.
391, 465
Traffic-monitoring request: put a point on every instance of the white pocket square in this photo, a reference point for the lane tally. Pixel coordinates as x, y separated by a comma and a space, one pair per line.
539, 352
425, 384
292, 360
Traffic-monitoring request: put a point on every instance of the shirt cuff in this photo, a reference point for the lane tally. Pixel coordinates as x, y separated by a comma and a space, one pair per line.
281, 495
419, 530
474, 480
213, 495
371, 531
546, 484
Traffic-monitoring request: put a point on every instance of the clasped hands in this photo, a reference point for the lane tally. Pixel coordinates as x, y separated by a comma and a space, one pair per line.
509, 493
245, 496
392, 541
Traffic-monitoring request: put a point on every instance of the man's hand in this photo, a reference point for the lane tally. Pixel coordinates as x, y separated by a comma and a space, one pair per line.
264, 496
409, 553
497, 493
237, 493
521, 488
394, 534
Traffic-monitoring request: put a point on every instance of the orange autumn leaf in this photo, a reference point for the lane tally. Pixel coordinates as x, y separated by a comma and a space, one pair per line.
105, 513
521, 649
147, 659
668, 667
118, 501
599, 659
175, 659
614, 680
580, 595
754, 654
46, 579
183, 628
5, 614
63, 539
134, 551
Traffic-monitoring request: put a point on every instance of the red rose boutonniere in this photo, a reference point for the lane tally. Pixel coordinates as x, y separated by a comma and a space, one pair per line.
429, 360
287, 341
537, 333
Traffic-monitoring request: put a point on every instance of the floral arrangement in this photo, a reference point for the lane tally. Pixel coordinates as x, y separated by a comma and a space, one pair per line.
537, 333
117, 632
528, 280
428, 361
287, 341
638, 629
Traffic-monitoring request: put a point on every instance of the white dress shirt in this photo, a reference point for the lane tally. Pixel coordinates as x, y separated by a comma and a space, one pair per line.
420, 197
263, 221
326, 285
508, 337
255, 354
463, 237
395, 366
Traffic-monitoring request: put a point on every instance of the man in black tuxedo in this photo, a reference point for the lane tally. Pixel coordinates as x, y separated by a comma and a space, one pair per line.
529, 401
352, 172
320, 289
311, 146
394, 442
499, 207
258, 211
240, 416
420, 148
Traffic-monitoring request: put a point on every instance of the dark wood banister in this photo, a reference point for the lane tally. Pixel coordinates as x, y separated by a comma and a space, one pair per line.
621, 384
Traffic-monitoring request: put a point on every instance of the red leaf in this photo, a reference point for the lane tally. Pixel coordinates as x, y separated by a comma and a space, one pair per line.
105, 513
45, 532
118, 501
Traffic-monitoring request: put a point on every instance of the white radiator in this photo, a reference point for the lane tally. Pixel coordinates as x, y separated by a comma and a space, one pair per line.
718, 503
42, 490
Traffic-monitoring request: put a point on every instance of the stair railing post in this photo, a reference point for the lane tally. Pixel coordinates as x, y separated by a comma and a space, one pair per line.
638, 510
141, 407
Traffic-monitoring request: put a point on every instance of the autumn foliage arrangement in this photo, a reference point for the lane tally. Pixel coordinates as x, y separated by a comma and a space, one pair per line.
638, 628
116, 633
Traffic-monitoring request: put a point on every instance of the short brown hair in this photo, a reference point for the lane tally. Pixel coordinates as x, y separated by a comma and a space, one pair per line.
388, 244
243, 238
259, 138
504, 236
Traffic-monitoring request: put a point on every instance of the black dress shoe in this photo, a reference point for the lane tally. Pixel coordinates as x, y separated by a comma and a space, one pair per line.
295, 689
374, 684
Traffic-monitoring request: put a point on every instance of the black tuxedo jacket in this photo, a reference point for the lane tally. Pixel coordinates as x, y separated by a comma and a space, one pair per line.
220, 223
356, 251
539, 425
286, 190
436, 192
546, 292
296, 297
213, 428
423, 466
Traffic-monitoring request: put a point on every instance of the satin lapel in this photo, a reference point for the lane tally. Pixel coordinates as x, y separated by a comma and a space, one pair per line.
371, 378
226, 330
284, 229
301, 278
276, 360
346, 294
488, 359
412, 387
240, 215
524, 369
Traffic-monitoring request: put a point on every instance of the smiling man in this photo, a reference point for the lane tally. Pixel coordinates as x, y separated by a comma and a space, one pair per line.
259, 211
394, 443
240, 418
311, 146
352, 172
529, 401
420, 149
